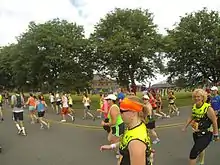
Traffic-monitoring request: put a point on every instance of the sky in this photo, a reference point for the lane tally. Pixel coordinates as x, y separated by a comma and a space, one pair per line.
15, 15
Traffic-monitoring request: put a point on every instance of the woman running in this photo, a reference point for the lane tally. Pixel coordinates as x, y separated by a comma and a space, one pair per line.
115, 121
202, 117
172, 106
159, 105
31, 107
134, 145
150, 119
86, 101
41, 105
153, 103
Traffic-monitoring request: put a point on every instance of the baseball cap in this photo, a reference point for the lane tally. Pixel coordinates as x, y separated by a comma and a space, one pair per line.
214, 88
146, 97
111, 97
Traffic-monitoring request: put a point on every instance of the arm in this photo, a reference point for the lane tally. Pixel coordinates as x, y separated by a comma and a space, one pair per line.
189, 120
137, 151
28, 101
212, 117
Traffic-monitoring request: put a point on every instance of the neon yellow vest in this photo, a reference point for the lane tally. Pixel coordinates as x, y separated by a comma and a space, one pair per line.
138, 133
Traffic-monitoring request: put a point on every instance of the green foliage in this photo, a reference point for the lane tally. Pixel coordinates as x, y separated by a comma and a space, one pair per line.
193, 47
127, 45
50, 55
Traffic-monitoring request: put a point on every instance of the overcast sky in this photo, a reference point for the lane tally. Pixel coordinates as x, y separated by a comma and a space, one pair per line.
16, 14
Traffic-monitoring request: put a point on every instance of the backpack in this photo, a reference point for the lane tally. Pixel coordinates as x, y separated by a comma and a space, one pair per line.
18, 101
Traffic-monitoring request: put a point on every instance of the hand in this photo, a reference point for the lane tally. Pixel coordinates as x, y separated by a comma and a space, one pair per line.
184, 129
103, 123
105, 147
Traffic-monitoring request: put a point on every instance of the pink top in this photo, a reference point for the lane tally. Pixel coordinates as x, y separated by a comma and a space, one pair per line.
105, 108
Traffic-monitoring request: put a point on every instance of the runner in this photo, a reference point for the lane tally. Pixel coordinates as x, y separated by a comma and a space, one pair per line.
32, 107
153, 103
202, 117
70, 103
115, 121
17, 103
86, 101
1, 107
41, 105
172, 106
65, 109
134, 145
159, 105
52, 101
150, 119
215, 103
101, 102
58, 103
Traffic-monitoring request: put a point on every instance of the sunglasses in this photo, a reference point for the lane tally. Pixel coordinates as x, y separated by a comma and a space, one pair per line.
122, 111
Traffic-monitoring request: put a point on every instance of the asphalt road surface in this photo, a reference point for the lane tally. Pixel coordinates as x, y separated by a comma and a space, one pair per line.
77, 144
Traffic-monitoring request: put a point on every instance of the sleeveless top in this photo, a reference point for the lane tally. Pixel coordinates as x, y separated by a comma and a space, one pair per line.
118, 120
200, 118
137, 133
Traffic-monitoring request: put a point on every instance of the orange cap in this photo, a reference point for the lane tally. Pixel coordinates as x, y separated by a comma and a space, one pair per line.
130, 105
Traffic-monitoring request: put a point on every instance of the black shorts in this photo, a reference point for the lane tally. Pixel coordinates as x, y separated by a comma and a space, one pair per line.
201, 141
58, 102
118, 130
41, 114
151, 125
18, 116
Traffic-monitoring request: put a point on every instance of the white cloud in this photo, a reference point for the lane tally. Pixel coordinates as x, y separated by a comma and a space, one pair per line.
16, 14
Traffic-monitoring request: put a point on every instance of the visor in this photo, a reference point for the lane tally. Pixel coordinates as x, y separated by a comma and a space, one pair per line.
130, 105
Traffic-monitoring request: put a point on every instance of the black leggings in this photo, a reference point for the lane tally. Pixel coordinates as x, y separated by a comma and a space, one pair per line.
201, 141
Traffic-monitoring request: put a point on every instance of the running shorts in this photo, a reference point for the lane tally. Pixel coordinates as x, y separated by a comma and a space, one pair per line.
151, 125
18, 116
65, 111
41, 114
118, 130
31, 108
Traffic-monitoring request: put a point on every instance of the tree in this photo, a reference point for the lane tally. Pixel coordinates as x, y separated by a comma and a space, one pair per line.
53, 54
127, 45
193, 47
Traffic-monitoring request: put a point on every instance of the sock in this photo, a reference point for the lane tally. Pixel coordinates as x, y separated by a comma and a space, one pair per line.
18, 127
23, 130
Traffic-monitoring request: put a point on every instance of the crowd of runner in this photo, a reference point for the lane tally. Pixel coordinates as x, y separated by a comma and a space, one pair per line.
128, 119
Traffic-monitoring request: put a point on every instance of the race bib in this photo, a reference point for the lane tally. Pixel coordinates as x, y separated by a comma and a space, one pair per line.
194, 125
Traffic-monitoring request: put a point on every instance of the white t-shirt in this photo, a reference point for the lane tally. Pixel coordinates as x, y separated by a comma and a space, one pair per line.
65, 102
58, 97
86, 101
52, 98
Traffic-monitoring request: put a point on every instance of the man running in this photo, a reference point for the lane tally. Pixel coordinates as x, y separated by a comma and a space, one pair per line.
17, 103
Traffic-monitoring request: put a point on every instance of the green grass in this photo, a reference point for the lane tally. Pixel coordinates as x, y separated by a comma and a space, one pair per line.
183, 99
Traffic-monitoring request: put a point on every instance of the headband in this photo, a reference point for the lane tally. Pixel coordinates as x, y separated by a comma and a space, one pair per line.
130, 105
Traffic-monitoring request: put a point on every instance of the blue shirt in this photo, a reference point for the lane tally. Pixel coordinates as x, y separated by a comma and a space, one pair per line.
121, 96
215, 103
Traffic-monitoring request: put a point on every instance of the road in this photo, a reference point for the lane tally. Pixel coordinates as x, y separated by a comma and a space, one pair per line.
77, 144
